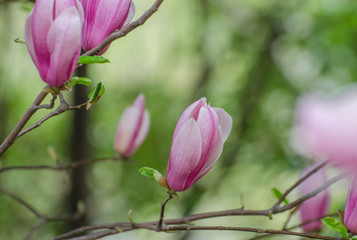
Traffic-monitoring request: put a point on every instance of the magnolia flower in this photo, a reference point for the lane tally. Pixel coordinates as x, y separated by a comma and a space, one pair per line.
350, 215
197, 144
102, 18
53, 38
327, 127
317, 206
133, 128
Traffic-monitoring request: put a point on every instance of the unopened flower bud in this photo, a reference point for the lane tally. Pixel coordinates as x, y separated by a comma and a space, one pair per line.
133, 128
197, 144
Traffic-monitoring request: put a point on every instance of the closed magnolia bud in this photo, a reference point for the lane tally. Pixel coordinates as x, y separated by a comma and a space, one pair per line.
350, 215
197, 144
102, 18
53, 38
133, 128
317, 206
326, 127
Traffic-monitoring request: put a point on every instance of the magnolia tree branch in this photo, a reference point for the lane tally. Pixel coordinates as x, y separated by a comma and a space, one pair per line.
16, 132
184, 223
42, 218
20, 125
60, 167
63, 107
163, 204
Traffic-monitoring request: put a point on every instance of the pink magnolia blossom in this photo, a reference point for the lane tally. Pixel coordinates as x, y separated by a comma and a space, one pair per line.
197, 144
133, 128
53, 38
327, 127
317, 206
102, 18
350, 216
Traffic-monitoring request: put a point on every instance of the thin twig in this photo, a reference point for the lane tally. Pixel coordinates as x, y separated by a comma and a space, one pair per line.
37, 213
163, 204
60, 167
116, 35
63, 107
50, 105
313, 171
295, 226
150, 227
22, 202
34, 229
30, 111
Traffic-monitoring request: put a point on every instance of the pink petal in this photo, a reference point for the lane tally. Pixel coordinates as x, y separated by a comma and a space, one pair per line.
61, 5
191, 111
41, 22
216, 152
208, 123
184, 156
327, 127
109, 16
351, 202
29, 40
225, 121
143, 131
64, 46
131, 14
140, 102
89, 8
126, 129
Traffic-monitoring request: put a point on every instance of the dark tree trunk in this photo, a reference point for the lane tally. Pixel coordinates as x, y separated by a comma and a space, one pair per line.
79, 150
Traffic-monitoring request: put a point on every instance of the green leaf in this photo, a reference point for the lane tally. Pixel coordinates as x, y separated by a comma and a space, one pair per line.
336, 226
96, 93
150, 172
102, 91
92, 59
78, 80
354, 238
278, 195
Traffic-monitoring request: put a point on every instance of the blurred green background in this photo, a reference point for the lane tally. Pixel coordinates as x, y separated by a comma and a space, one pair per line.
251, 57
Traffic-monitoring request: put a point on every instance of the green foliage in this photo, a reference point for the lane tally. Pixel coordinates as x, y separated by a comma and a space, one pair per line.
96, 93
336, 226
278, 195
92, 59
78, 80
150, 172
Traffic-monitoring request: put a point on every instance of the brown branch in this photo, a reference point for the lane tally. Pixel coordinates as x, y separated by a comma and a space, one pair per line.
60, 167
313, 171
244, 229
50, 105
42, 218
36, 212
63, 107
150, 227
119, 34
234, 212
22, 202
163, 204
30, 111
34, 229
309, 195
296, 226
